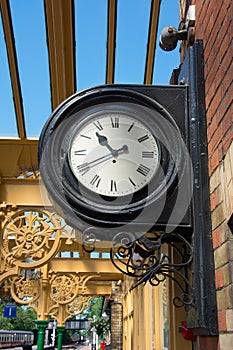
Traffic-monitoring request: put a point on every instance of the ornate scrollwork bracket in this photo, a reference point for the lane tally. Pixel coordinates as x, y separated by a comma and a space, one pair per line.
62, 312
149, 260
29, 238
67, 297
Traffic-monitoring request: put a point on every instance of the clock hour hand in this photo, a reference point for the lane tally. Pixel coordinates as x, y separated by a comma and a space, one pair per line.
103, 141
83, 168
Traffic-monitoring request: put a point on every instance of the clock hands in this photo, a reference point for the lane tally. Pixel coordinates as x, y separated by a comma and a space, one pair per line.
86, 166
103, 141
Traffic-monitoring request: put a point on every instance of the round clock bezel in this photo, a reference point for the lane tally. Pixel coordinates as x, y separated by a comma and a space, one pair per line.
62, 184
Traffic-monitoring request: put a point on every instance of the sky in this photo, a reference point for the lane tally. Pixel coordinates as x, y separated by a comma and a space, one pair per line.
91, 36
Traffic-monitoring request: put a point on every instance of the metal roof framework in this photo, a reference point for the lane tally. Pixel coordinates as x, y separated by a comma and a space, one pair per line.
60, 31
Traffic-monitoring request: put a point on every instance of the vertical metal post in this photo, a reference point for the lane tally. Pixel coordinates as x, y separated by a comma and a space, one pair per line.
60, 331
42, 325
204, 317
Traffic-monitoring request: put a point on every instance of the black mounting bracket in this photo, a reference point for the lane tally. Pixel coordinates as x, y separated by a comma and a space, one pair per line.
149, 260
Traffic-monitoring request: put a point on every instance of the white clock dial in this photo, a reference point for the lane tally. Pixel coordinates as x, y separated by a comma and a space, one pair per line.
114, 154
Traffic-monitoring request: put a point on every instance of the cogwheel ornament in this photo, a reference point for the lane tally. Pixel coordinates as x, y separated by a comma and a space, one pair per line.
25, 290
29, 238
63, 288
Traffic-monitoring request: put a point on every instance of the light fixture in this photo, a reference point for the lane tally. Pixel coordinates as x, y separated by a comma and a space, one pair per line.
170, 35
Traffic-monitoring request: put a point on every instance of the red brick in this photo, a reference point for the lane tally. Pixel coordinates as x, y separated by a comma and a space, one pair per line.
214, 67
211, 95
220, 32
226, 72
225, 103
211, 23
228, 138
202, 14
224, 40
225, 65
215, 140
212, 127
217, 33
221, 15
209, 168
226, 123
216, 237
214, 160
222, 323
219, 75
214, 199
211, 54
215, 103
211, 31
219, 278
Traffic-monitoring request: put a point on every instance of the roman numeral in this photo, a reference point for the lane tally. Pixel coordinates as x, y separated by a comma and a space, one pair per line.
142, 169
96, 180
115, 122
113, 186
148, 154
83, 168
81, 152
86, 137
143, 138
132, 182
130, 128
98, 125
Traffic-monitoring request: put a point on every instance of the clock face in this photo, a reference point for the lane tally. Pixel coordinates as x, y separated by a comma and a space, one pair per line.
113, 154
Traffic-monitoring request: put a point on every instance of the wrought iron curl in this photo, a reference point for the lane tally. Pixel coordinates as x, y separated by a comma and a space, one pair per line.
148, 260
184, 299
89, 240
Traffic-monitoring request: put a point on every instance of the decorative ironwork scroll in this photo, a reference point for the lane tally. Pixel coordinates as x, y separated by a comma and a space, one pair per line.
70, 310
63, 288
66, 299
149, 260
29, 238
66, 286
89, 240
25, 290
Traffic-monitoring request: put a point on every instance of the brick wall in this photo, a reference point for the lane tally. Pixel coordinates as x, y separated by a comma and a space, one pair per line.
117, 316
214, 27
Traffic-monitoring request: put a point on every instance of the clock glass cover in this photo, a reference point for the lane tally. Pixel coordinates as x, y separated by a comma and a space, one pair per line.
113, 154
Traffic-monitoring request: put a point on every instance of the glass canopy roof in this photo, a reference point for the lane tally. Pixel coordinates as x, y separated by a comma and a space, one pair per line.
50, 49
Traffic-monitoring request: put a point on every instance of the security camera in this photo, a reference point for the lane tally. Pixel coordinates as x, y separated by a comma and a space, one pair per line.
170, 36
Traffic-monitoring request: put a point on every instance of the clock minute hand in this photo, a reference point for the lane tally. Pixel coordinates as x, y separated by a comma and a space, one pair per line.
83, 168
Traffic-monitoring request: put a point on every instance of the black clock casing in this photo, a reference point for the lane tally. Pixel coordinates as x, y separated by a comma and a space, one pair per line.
159, 205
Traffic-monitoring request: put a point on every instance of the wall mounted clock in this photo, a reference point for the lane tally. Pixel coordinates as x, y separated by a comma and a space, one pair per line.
112, 156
